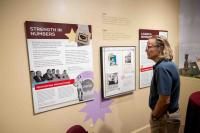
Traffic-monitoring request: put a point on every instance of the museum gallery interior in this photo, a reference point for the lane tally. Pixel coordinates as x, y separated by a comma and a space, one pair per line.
83, 66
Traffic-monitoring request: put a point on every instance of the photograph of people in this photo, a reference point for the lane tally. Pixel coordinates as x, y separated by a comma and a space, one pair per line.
165, 87
65, 75
48, 75
78, 84
38, 77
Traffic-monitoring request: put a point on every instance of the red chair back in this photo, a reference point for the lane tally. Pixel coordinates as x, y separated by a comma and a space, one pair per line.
76, 129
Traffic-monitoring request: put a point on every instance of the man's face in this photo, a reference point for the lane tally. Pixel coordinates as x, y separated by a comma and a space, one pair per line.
48, 71
53, 71
38, 73
32, 74
152, 50
57, 72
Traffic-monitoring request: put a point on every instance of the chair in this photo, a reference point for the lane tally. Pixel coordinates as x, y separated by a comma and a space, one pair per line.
76, 129
193, 114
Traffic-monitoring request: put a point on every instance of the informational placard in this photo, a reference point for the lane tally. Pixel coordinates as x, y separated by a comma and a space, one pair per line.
146, 65
115, 28
61, 64
118, 70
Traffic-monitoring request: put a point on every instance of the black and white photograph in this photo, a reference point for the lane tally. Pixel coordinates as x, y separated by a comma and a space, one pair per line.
49, 75
112, 78
84, 87
128, 58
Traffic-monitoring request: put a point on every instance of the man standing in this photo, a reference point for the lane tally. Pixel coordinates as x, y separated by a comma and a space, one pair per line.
165, 87
79, 86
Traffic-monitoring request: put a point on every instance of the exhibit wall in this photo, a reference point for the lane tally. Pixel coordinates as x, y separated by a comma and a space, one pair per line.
114, 23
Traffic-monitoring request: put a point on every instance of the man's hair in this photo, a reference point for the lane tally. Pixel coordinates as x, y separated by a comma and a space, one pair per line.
163, 44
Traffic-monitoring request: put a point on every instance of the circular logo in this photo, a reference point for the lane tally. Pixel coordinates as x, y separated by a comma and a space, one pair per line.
87, 85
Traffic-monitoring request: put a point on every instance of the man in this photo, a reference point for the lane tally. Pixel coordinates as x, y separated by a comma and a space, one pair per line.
48, 75
58, 75
165, 87
32, 76
65, 75
53, 74
38, 77
79, 86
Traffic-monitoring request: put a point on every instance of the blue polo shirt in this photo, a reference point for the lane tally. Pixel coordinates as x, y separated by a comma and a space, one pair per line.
165, 82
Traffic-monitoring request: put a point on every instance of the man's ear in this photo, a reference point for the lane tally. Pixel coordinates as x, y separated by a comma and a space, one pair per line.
161, 48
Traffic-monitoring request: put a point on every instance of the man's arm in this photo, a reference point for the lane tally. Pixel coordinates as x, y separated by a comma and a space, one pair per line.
161, 106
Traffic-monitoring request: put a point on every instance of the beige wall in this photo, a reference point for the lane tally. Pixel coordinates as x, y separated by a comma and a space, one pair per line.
129, 112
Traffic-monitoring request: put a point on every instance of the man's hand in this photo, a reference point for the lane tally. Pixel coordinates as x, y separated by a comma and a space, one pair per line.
161, 106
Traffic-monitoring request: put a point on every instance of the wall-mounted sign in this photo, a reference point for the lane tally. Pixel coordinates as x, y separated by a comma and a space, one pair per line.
118, 70
146, 65
61, 64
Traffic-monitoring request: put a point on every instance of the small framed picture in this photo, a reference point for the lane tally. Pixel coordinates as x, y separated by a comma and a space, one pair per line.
117, 70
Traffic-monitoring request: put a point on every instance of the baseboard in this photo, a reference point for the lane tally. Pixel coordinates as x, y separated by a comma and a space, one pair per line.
142, 129
146, 129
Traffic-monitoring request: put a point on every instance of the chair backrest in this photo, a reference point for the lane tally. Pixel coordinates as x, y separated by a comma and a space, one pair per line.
76, 129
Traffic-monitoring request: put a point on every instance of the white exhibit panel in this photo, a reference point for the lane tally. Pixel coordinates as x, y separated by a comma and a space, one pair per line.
61, 64
146, 65
118, 70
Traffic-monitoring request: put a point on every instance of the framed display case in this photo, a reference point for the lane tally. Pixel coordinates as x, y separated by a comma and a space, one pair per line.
117, 70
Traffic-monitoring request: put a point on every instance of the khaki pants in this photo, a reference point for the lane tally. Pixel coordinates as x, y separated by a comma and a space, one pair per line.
168, 123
